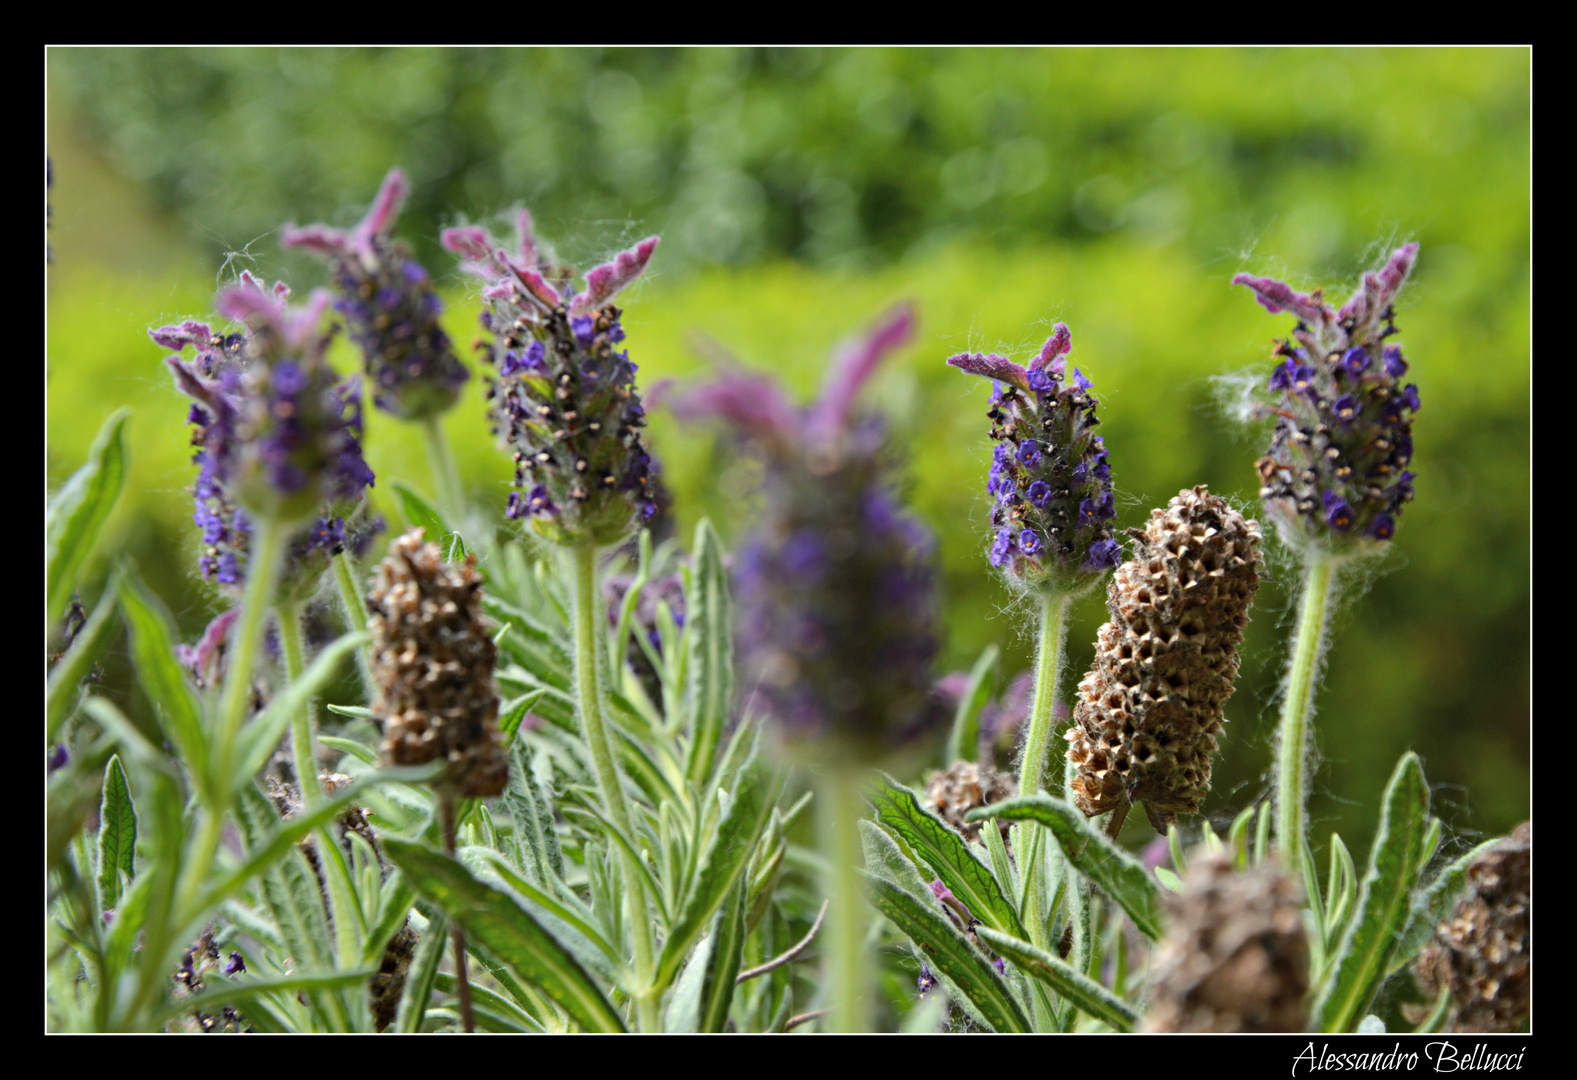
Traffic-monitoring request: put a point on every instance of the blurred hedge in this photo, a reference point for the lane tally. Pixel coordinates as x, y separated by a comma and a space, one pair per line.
1116, 190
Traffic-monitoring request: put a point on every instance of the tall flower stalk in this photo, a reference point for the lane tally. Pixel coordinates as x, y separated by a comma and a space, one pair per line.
836, 598
1052, 507
1335, 478
565, 402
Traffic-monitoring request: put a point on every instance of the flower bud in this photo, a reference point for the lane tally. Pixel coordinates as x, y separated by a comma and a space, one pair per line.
433, 665
390, 306
1050, 484
565, 397
1483, 950
1150, 709
1336, 471
1235, 957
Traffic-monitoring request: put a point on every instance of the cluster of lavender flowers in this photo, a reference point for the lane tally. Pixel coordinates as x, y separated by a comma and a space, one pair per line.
565, 397
1336, 471
390, 307
278, 435
835, 586
1050, 482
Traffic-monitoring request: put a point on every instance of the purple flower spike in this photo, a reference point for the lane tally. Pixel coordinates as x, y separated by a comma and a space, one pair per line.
278, 436
835, 585
565, 399
1343, 423
1049, 478
390, 307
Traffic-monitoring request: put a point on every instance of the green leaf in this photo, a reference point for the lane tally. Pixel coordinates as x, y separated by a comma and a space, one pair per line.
117, 835
728, 946
65, 678
75, 516
246, 990
493, 921
948, 855
422, 975
257, 741
493, 1012
1115, 872
1434, 904
963, 744
709, 649
1359, 963
421, 513
153, 655
566, 918
541, 859
1063, 979
951, 954
755, 795
363, 754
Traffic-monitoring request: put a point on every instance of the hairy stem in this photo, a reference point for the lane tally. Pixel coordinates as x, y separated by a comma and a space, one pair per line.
301, 750
848, 968
1296, 709
591, 690
355, 602
1048, 666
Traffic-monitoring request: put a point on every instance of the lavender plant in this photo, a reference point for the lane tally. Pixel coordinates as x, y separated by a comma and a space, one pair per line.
837, 608
549, 810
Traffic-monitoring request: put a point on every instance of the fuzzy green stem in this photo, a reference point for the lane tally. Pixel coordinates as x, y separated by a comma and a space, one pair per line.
1048, 666
301, 750
848, 968
591, 690
267, 555
1297, 706
355, 617
445, 477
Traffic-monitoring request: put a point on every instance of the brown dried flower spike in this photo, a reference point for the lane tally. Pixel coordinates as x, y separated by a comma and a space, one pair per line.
1483, 950
1150, 709
433, 666
965, 786
1235, 957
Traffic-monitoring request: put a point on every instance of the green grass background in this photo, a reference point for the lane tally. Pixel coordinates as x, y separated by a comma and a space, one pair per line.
800, 192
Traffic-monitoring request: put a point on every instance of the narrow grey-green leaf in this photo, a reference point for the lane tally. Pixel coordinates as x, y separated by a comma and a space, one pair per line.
66, 676
755, 795
1359, 963
245, 990
963, 743
1115, 872
948, 855
153, 655
1063, 979
74, 518
728, 944
708, 644
542, 860
422, 975
493, 920
493, 1012
1434, 903
951, 954
117, 834
364, 754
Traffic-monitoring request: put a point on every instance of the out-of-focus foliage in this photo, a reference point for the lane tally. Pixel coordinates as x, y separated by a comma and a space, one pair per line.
1118, 190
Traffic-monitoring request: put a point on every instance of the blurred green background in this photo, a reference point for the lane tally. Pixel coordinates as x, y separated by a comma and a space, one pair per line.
799, 192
